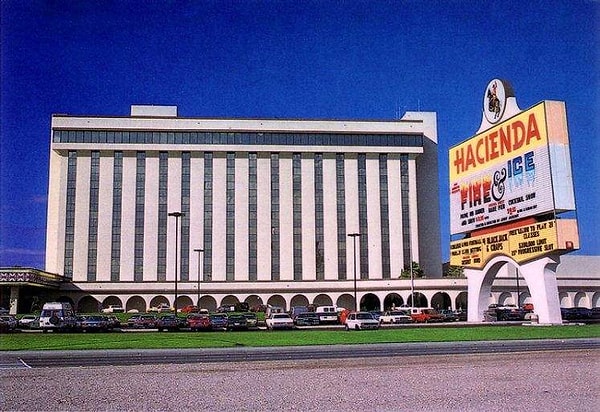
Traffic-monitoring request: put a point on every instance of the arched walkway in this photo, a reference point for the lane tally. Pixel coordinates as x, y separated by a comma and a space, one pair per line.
370, 302
277, 300
392, 300
323, 300
88, 304
441, 300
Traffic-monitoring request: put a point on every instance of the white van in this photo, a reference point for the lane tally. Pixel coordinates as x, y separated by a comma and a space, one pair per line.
327, 314
57, 316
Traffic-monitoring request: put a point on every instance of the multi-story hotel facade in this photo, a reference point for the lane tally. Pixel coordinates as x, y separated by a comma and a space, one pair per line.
268, 209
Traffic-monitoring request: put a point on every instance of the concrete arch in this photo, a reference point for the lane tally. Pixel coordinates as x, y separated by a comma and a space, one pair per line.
136, 303
277, 300
420, 300
524, 298
158, 300
323, 300
392, 300
441, 300
540, 276
208, 302
299, 300
565, 300
461, 301
346, 301
506, 298
581, 300
229, 300
596, 300
88, 304
369, 302
183, 301
253, 301
112, 300
66, 299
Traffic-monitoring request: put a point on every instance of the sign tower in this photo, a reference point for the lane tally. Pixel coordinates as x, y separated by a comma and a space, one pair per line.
512, 199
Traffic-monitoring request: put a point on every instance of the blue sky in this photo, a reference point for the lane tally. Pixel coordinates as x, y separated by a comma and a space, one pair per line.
287, 59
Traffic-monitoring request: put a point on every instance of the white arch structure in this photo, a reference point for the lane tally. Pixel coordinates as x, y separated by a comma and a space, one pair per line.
540, 275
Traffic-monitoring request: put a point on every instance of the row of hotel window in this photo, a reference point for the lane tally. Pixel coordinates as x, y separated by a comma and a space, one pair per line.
254, 138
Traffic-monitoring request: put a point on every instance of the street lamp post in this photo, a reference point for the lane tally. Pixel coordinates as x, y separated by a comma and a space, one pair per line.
354, 236
176, 215
200, 253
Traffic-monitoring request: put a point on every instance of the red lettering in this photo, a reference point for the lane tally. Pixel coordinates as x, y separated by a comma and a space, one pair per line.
532, 129
519, 134
493, 145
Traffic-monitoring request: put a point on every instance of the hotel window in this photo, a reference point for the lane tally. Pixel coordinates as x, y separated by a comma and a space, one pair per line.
363, 217
140, 195
230, 218
163, 192
208, 216
185, 219
341, 214
252, 216
115, 253
275, 240
404, 192
93, 216
385, 217
70, 213
297, 213
319, 224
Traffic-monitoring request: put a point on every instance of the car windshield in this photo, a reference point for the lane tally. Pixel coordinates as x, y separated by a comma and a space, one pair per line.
364, 316
281, 315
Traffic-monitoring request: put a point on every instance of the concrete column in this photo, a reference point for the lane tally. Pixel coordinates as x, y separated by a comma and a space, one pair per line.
540, 276
14, 300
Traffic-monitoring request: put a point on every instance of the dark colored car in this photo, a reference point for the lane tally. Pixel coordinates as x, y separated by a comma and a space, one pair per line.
448, 315
251, 319
461, 315
237, 322
142, 322
306, 319
92, 323
218, 321
199, 322
577, 313
170, 323
8, 323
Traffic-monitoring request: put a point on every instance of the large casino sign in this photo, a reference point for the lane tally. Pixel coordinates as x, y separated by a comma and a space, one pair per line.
509, 182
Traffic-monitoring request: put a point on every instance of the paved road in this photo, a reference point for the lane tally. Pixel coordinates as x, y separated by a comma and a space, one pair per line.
66, 358
523, 381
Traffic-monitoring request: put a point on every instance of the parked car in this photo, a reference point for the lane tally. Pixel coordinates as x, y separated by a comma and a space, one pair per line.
142, 322
448, 315
395, 316
190, 309
58, 316
112, 322
306, 319
576, 313
425, 315
170, 323
218, 321
328, 318
8, 323
461, 315
113, 309
503, 313
236, 322
361, 320
198, 322
92, 323
251, 319
26, 321
376, 314
279, 321
4, 311
163, 307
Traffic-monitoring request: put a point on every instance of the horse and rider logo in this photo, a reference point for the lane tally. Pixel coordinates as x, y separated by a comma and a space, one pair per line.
494, 101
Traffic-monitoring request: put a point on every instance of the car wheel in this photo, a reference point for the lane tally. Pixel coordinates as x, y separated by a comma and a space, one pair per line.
347, 328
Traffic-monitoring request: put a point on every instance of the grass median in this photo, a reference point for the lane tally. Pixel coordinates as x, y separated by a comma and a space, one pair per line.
304, 337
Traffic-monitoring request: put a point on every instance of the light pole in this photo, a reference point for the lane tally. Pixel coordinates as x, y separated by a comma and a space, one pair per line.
176, 215
354, 236
200, 253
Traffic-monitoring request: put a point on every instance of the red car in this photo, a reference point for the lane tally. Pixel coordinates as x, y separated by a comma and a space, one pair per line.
199, 322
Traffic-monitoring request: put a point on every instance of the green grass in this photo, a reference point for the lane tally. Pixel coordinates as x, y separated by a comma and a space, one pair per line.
174, 340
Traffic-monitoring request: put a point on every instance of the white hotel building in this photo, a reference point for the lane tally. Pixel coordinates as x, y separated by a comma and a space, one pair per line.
271, 204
